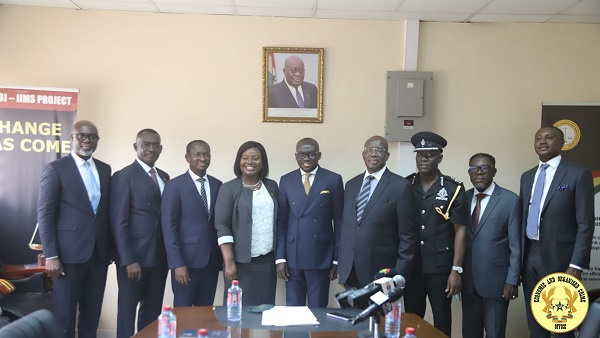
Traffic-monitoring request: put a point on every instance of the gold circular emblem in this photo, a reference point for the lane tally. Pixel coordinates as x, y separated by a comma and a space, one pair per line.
571, 131
559, 302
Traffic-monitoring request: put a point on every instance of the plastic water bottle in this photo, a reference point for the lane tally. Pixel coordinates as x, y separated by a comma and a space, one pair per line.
234, 302
392, 320
410, 333
167, 323
202, 333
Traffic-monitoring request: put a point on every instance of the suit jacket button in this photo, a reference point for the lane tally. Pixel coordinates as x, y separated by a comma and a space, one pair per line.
423, 227
422, 243
293, 203
423, 211
315, 220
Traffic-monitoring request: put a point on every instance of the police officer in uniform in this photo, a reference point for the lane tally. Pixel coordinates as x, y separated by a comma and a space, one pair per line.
443, 215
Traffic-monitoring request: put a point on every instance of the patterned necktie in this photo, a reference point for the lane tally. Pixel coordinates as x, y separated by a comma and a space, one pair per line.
536, 200
363, 197
306, 183
299, 98
477, 211
153, 175
203, 193
92, 187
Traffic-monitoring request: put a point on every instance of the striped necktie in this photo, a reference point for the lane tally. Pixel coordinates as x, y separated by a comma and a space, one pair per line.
363, 197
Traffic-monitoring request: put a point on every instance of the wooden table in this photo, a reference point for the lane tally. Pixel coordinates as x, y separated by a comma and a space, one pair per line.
204, 317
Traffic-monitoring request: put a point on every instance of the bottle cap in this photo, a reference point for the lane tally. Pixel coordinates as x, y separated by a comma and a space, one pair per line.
203, 332
235, 282
410, 330
168, 307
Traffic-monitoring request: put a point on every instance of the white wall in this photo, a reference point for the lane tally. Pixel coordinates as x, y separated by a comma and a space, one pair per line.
194, 76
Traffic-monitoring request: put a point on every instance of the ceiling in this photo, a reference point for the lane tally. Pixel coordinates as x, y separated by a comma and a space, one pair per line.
534, 11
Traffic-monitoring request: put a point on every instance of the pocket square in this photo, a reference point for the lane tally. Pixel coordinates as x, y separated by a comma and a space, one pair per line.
562, 187
324, 192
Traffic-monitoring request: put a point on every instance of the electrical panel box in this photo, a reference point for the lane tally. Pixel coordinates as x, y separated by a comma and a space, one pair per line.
408, 104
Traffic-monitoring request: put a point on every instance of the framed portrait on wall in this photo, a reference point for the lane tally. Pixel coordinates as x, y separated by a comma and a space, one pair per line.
292, 84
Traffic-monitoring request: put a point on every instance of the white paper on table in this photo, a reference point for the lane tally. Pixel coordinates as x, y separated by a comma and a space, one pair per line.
288, 315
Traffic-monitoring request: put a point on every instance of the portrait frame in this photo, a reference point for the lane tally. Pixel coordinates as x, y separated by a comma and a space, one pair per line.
279, 104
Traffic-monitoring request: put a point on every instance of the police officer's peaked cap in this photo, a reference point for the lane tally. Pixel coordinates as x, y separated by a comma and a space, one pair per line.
426, 140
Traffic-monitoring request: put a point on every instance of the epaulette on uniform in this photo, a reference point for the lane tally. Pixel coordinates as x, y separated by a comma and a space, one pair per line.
452, 179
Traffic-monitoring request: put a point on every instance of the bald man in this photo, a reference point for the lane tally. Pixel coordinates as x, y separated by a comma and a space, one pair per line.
293, 92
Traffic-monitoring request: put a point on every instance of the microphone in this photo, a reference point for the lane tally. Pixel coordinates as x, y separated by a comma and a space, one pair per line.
380, 302
343, 298
360, 298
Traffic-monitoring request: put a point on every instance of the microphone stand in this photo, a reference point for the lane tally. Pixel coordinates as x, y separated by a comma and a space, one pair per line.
373, 331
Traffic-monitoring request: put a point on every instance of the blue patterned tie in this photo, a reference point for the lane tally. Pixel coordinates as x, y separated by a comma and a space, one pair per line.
363, 197
92, 187
299, 98
203, 193
536, 201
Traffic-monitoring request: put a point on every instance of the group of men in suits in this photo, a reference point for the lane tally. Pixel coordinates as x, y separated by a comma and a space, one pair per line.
420, 227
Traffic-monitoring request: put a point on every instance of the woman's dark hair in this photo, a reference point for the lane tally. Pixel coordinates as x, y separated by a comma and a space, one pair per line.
264, 172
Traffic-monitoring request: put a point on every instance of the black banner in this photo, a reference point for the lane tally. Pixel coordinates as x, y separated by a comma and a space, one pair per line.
35, 124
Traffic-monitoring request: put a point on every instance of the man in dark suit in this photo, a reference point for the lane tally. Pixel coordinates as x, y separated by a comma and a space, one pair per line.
188, 229
443, 215
492, 260
308, 227
75, 232
558, 217
379, 224
293, 92
135, 220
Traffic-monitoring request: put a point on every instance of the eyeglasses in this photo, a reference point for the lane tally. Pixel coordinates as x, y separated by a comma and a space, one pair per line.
311, 155
91, 137
483, 168
378, 150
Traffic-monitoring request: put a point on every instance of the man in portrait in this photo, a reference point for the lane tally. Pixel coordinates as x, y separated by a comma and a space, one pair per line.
293, 91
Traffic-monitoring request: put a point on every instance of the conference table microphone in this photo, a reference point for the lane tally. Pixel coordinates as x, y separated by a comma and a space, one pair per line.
381, 304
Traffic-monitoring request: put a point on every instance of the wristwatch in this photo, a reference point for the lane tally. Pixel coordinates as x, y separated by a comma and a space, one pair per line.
457, 269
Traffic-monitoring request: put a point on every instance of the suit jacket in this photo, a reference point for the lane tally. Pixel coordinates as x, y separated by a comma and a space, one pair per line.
233, 215
68, 227
189, 233
280, 96
493, 255
566, 218
386, 236
308, 227
135, 217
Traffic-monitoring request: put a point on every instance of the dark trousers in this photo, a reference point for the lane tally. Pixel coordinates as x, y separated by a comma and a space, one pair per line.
82, 285
531, 276
258, 280
311, 283
200, 290
481, 314
148, 292
430, 285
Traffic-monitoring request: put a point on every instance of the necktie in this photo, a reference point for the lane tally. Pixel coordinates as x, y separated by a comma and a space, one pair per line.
299, 98
203, 193
153, 175
306, 183
363, 197
536, 200
477, 211
92, 187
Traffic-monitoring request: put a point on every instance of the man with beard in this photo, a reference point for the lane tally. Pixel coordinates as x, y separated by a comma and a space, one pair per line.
75, 232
